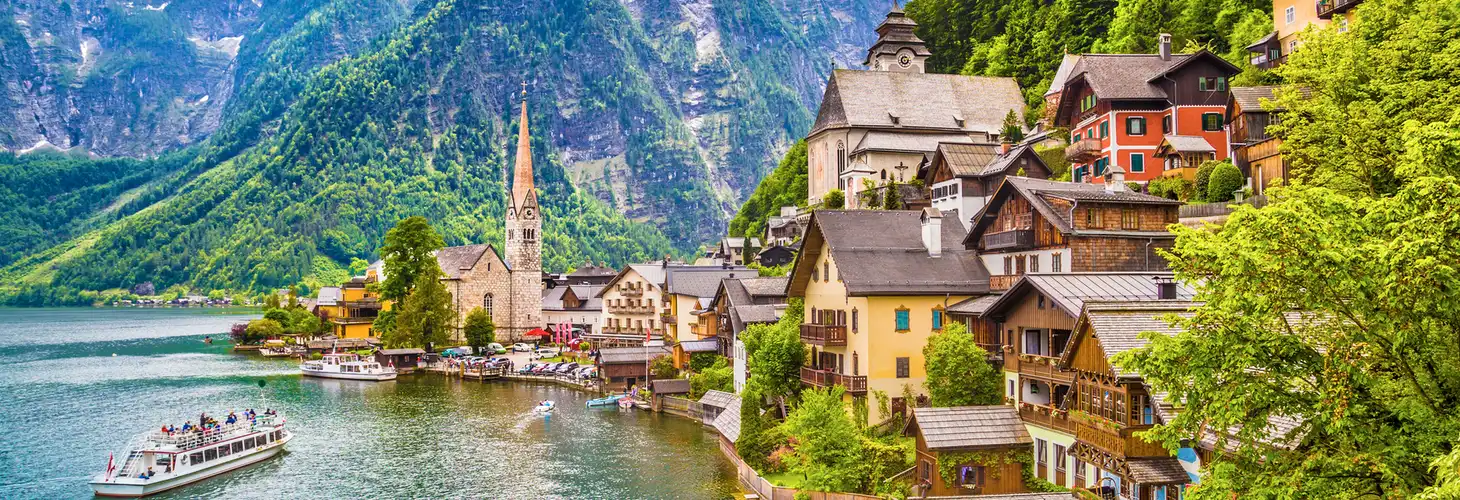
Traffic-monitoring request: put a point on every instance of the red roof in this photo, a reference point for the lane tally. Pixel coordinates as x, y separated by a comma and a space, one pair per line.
537, 332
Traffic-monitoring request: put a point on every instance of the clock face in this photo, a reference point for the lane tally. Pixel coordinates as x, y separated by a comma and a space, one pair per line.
527, 213
904, 59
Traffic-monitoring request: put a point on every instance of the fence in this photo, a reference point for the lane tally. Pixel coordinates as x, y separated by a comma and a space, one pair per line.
1198, 210
763, 488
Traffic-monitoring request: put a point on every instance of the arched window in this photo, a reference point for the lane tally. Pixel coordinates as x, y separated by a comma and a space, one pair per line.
487, 303
855, 369
884, 175
854, 325
841, 157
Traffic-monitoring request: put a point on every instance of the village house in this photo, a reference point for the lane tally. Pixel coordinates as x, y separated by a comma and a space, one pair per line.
984, 442
591, 274
737, 304
1120, 107
403, 360
577, 306
622, 368
784, 228
353, 307
689, 291
961, 177
775, 255
1033, 226
1290, 18
733, 251
878, 125
1255, 150
633, 302
1038, 317
876, 285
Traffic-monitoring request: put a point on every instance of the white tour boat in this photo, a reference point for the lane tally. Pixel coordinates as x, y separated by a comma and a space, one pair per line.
182, 458
347, 366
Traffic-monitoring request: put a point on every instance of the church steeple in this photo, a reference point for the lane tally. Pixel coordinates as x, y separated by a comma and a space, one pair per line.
897, 47
523, 194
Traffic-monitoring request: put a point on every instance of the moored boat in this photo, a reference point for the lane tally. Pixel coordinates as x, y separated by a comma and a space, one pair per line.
161, 461
347, 366
605, 401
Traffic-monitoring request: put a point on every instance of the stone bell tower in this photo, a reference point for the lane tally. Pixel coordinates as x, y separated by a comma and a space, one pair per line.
524, 241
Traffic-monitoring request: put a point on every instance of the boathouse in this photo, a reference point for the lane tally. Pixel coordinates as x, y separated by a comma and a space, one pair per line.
625, 367
404, 360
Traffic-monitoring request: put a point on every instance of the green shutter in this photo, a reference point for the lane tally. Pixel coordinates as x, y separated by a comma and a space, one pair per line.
1201, 84
1104, 129
1137, 162
1221, 84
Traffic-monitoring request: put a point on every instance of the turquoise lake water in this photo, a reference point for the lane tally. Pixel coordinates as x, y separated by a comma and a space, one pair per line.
77, 384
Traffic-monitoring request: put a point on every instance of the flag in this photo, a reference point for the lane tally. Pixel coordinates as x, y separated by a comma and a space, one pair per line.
110, 466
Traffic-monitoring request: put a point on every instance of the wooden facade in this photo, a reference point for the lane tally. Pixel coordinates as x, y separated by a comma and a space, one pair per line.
1002, 475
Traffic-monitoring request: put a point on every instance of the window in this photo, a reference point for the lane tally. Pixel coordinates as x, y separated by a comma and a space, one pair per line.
937, 319
841, 156
1041, 300
1087, 103
1137, 162
487, 303
1055, 266
1211, 122
248, 443
1104, 129
195, 458
1129, 219
1212, 84
1343, 25
1011, 389
1080, 473
815, 274
224, 451
903, 367
1008, 265
1033, 263
1292, 44
1166, 124
1040, 446
925, 470
970, 476
826, 271
1135, 126
237, 446
902, 320
1101, 165
855, 364
1059, 458
1289, 15
1092, 218
854, 320
1019, 264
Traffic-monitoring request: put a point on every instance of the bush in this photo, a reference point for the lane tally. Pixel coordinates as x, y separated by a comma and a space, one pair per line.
834, 199
1203, 176
719, 377
700, 361
663, 368
1171, 188
1225, 180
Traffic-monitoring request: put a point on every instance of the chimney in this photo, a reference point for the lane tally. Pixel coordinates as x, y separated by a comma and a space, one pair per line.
1005, 146
1165, 47
1115, 179
933, 231
1165, 288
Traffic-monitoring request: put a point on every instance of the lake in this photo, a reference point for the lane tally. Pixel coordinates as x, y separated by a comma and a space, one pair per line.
78, 384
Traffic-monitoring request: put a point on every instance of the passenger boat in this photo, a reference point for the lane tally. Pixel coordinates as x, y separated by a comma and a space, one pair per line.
347, 366
605, 401
182, 458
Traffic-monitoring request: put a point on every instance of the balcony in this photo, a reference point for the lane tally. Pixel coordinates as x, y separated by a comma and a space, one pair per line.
854, 384
631, 292
1119, 441
1327, 8
669, 319
1083, 150
1041, 367
1047, 417
824, 335
1001, 282
1008, 240
630, 309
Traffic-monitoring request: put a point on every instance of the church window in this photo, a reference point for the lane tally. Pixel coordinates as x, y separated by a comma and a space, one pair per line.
841, 157
826, 270
487, 303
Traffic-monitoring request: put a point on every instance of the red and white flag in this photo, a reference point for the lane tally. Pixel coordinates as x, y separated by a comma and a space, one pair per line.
110, 466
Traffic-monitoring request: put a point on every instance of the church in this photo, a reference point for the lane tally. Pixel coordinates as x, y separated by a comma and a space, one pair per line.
507, 285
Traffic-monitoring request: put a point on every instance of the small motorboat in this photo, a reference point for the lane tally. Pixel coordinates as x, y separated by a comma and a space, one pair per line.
544, 407
347, 366
605, 401
626, 403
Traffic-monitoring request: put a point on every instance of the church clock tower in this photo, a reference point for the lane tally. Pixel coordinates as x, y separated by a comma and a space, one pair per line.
898, 48
524, 240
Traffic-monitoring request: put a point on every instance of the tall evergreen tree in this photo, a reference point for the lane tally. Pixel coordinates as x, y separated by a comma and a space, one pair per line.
409, 253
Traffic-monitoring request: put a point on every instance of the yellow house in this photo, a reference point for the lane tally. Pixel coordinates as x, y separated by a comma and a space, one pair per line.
876, 285
690, 291
352, 307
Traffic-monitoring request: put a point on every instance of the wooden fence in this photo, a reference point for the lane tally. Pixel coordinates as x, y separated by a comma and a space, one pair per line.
1198, 210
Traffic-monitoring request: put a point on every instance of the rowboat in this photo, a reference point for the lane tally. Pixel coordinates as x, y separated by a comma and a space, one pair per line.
605, 401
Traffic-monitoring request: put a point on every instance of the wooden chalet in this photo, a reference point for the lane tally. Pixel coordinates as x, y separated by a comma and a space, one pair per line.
985, 440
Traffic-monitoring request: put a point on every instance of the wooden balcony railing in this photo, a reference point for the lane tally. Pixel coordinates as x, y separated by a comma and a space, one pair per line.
1083, 150
631, 292
1047, 417
629, 309
1005, 240
1042, 367
1118, 440
1327, 8
854, 384
824, 335
1002, 281
669, 319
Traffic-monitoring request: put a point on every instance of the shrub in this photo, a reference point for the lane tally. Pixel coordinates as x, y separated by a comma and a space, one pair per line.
1203, 176
834, 199
1225, 180
1173, 188
663, 368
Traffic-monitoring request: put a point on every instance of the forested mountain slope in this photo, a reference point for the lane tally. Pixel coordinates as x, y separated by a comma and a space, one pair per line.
308, 169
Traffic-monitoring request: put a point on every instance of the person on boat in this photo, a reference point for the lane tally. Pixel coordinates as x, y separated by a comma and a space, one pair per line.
187, 426
231, 418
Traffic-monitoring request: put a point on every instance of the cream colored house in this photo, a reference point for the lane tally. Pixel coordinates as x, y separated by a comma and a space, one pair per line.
876, 285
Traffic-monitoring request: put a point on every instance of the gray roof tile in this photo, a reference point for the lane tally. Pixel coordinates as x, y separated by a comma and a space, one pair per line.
975, 306
1189, 144
881, 252
728, 421
717, 399
670, 386
869, 99
970, 427
1164, 470
456, 261
622, 355
1250, 98
700, 281
878, 140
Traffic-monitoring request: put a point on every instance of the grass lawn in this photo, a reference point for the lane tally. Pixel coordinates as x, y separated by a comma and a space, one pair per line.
784, 479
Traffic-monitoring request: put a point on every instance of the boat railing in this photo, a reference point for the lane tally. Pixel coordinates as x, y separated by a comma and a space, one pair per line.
194, 439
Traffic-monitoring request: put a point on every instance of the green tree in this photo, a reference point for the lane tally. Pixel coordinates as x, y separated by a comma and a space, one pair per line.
718, 376
479, 330
1136, 26
1225, 179
261, 329
662, 367
1203, 179
424, 318
892, 197
834, 199
827, 443
358, 266
775, 355
1013, 131
699, 361
409, 253
959, 373
784, 186
759, 434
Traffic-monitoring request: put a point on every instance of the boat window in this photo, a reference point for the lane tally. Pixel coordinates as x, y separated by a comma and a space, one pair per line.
195, 458
278, 434
223, 451
164, 460
210, 454
237, 446
248, 443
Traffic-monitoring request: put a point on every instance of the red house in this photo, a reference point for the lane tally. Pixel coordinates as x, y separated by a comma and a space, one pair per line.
1120, 107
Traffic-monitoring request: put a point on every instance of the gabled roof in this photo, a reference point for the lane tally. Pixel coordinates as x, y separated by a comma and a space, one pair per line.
1249, 99
1067, 65
880, 252
702, 281
765, 286
670, 386
905, 142
702, 345
1128, 77
728, 421
1069, 292
974, 306
457, 261
969, 427
717, 399
552, 298
1160, 470
329, 295
589, 270
929, 101
1118, 325
761, 313
622, 355
1262, 43
1186, 144
1040, 193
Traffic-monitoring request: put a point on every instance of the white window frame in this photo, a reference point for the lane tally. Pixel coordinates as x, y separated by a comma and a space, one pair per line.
1290, 14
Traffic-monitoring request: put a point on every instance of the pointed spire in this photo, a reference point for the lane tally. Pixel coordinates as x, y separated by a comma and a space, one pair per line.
522, 188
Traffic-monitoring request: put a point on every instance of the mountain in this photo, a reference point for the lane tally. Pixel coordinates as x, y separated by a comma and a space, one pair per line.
333, 119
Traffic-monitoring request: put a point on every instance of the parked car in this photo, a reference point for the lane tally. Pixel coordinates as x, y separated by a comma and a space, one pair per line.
521, 347
495, 348
567, 368
547, 352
